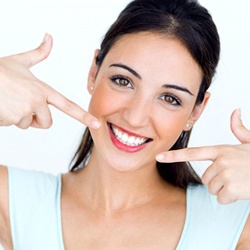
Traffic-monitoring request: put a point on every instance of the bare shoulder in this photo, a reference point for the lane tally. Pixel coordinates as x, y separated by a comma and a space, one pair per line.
5, 237
244, 242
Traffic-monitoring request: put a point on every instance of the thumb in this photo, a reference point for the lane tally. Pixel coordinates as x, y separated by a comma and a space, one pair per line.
238, 129
32, 57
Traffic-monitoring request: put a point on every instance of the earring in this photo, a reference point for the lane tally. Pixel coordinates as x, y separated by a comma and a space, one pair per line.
189, 125
91, 88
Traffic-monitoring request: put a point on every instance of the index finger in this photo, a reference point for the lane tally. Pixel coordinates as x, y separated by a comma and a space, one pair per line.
190, 154
70, 108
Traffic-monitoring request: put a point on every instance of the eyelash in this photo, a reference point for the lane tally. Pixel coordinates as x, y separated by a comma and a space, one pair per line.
176, 100
115, 80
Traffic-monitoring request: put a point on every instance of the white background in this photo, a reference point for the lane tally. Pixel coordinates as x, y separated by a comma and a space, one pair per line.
77, 28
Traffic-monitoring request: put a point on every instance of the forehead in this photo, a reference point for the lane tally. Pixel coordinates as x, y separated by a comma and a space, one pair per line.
154, 55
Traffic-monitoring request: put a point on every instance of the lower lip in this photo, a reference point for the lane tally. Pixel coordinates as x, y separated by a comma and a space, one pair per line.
124, 147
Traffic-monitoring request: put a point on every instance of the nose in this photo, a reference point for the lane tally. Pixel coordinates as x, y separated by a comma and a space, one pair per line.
138, 112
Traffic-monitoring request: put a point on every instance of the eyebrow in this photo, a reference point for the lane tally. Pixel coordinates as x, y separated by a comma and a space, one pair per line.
127, 68
173, 86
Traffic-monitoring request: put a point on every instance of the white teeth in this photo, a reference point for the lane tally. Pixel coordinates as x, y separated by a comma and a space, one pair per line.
119, 134
137, 141
131, 140
126, 139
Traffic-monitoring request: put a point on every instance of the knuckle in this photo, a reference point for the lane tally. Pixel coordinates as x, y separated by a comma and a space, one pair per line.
205, 179
229, 189
227, 175
23, 126
42, 53
225, 199
42, 121
191, 153
224, 161
38, 100
85, 116
221, 162
222, 200
14, 119
26, 111
212, 189
172, 155
68, 105
47, 124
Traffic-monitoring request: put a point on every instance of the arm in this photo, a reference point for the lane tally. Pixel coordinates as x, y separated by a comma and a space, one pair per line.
228, 176
26, 98
244, 242
5, 233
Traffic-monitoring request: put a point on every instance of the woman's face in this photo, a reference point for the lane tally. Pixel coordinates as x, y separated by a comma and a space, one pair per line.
144, 94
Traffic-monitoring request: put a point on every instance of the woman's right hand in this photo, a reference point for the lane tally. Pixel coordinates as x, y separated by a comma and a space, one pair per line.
25, 99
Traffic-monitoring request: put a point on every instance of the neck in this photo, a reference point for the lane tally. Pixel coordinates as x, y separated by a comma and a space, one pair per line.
110, 190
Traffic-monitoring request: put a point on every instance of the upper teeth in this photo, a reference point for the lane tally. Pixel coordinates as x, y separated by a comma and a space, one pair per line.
126, 139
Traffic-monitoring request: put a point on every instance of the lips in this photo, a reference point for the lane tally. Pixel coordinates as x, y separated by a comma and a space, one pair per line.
127, 141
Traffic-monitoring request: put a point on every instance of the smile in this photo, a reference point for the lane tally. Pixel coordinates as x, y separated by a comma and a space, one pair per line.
127, 139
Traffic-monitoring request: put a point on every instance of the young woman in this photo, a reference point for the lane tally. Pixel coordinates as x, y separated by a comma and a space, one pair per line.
148, 82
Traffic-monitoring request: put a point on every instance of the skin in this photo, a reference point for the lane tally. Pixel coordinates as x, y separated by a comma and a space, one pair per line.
116, 195
140, 107
225, 177
127, 184
26, 104
118, 190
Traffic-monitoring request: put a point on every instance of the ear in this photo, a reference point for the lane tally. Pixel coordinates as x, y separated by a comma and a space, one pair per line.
92, 73
197, 111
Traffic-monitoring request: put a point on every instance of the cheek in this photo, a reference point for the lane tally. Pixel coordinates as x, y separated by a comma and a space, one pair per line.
170, 128
171, 131
100, 102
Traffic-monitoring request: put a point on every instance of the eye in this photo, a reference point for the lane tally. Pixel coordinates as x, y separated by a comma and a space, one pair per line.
121, 81
171, 99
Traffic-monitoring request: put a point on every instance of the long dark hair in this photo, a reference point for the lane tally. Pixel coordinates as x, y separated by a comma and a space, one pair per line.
190, 23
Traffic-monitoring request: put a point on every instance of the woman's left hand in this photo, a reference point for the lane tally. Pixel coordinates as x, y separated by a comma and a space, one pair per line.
228, 177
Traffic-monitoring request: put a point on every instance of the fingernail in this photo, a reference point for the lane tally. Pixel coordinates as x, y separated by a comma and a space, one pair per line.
239, 113
45, 38
160, 157
95, 124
